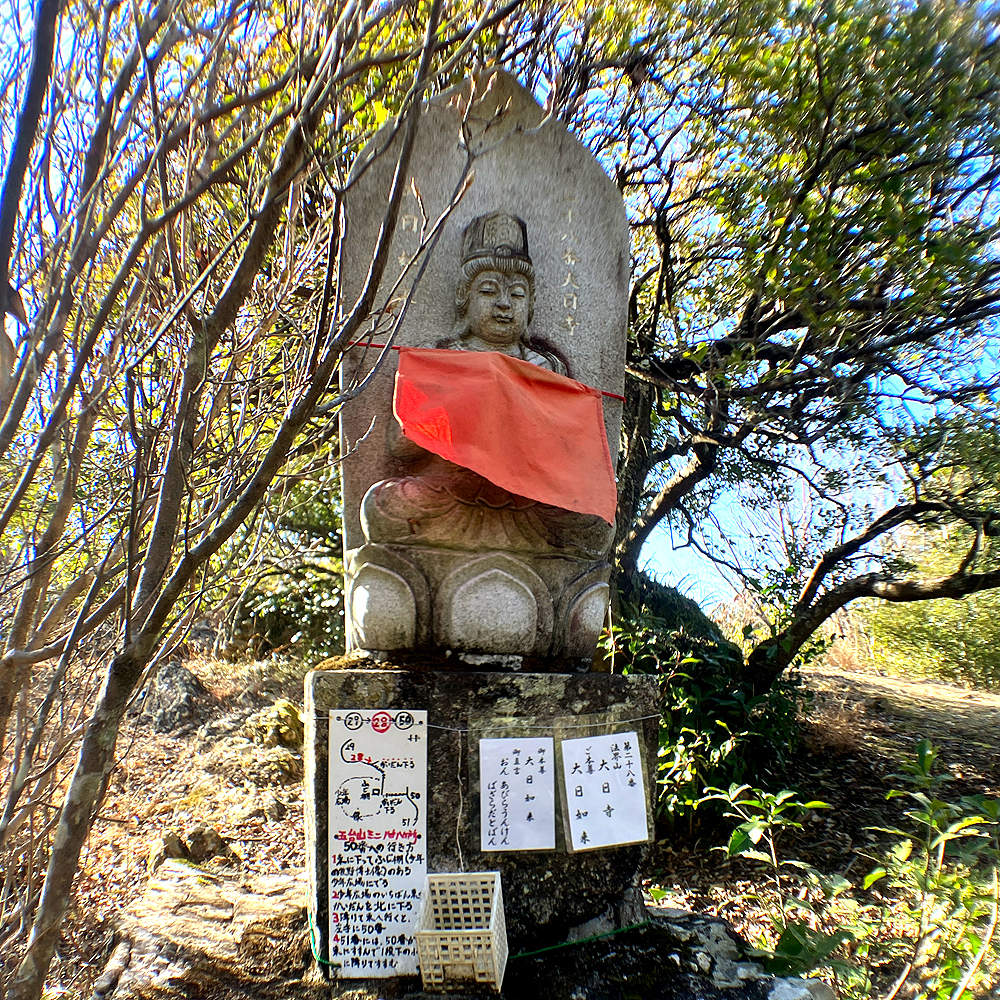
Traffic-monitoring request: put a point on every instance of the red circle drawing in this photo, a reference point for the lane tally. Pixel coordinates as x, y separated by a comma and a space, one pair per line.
381, 721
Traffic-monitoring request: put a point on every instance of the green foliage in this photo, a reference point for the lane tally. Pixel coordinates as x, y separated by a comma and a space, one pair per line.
924, 921
300, 613
712, 730
801, 946
940, 884
660, 627
809, 243
957, 641
761, 815
296, 605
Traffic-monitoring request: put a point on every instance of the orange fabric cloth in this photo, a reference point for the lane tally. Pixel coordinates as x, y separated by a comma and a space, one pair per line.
528, 430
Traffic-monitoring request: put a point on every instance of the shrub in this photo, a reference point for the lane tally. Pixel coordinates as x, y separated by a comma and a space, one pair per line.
923, 923
299, 613
713, 731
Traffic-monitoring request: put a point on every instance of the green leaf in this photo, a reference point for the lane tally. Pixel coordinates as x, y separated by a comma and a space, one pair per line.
738, 843
801, 949
873, 876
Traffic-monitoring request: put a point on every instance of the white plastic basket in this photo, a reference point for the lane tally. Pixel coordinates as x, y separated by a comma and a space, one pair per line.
461, 935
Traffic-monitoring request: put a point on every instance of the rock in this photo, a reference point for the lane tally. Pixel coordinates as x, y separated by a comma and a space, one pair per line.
174, 698
278, 725
195, 934
268, 805
202, 636
167, 845
244, 762
800, 989
199, 934
205, 843
107, 981
225, 725
691, 631
631, 910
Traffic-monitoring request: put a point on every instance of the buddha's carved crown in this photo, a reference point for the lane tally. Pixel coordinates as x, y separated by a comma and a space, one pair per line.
496, 236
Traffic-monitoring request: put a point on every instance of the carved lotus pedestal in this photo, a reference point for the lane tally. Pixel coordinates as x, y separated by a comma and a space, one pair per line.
487, 607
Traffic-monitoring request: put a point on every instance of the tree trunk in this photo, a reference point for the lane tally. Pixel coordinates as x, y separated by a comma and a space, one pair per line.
97, 756
633, 468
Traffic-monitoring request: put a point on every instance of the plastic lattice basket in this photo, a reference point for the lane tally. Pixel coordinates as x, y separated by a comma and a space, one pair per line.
461, 935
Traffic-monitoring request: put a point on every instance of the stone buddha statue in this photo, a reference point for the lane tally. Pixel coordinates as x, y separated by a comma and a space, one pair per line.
444, 505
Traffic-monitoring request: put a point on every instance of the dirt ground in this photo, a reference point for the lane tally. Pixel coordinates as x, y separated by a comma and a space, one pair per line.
856, 730
964, 723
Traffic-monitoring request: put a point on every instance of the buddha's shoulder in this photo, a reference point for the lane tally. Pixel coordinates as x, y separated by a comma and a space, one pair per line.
526, 353
549, 361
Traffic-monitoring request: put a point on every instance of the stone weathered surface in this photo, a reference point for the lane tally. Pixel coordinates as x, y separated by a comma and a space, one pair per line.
539, 172
175, 698
545, 894
164, 846
205, 842
278, 725
196, 932
405, 594
241, 761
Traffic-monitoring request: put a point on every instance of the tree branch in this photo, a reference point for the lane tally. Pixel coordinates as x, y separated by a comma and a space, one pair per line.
766, 663
43, 45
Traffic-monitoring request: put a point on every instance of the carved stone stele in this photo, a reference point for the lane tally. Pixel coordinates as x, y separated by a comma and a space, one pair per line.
531, 262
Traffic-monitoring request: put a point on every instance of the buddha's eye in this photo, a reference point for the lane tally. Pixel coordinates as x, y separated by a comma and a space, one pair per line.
488, 287
518, 292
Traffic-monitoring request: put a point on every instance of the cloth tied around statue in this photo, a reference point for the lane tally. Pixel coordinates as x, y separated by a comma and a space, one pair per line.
529, 431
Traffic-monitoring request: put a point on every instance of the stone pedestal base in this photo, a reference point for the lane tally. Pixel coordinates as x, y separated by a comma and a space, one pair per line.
545, 893
405, 597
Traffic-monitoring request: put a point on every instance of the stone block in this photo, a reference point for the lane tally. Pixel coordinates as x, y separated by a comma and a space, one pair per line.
546, 893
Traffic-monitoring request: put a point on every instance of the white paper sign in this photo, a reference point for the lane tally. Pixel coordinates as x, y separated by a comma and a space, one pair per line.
604, 791
378, 839
517, 794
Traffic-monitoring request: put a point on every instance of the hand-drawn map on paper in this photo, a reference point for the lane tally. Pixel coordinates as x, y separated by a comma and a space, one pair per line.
605, 795
517, 793
378, 839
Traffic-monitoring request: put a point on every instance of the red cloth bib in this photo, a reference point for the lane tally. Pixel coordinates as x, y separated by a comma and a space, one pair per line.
526, 429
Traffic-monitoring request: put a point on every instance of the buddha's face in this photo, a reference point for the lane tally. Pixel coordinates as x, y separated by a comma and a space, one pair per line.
498, 307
